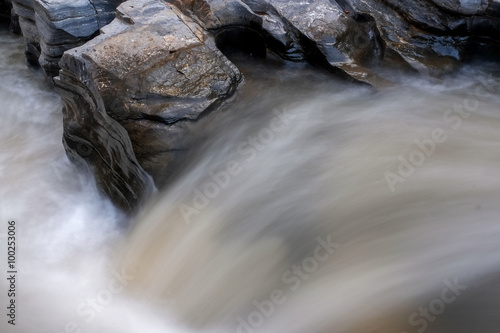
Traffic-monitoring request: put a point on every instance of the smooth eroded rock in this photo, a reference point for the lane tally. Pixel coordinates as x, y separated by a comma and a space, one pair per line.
359, 37
154, 73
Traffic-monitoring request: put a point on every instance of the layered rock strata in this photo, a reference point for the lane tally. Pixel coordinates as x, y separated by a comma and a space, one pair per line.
51, 27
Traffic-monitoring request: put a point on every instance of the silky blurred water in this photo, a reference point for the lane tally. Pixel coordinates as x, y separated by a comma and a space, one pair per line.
64, 228
402, 183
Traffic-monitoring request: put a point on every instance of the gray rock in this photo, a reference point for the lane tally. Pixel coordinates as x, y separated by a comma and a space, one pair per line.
465, 7
95, 140
359, 36
327, 34
8, 16
434, 36
215, 14
318, 31
23, 9
150, 76
51, 27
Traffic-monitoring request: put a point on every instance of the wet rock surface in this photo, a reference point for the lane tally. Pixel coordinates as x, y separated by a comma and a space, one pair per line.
63, 26
23, 10
154, 73
51, 27
96, 141
434, 36
357, 37
317, 31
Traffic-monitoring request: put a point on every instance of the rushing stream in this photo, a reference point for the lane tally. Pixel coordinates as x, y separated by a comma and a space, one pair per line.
312, 205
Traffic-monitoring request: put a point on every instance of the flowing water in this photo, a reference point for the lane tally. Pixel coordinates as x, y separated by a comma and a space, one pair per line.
312, 206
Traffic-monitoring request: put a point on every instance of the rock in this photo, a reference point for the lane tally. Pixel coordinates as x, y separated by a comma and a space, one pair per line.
135, 93
358, 37
327, 34
216, 14
318, 31
63, 26
23, 9
464, 7
51, 27
95, 140
435, 36
146, 79
8, 16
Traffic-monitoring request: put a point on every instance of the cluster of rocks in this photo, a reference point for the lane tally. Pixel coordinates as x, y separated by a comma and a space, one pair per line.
359, 37
135, 76
51, 27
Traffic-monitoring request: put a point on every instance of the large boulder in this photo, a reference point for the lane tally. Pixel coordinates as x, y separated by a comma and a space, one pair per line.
145, 81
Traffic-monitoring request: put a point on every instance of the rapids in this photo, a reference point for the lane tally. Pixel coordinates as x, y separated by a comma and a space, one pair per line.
310, 205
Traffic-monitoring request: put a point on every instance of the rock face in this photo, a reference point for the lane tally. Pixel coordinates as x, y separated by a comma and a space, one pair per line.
135, 89
318, 31
64, 25
23, 9
95, 140
435, 36
357, 37
51, 27
133, 94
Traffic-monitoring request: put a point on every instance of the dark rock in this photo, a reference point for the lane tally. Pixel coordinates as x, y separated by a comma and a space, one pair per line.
151, 75
318, 31
51, 27
434, 36
23, 9
359, 36
63, 26
326, 33
14, 26
464, 7
7, 16
95, 140
5, 7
